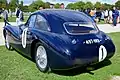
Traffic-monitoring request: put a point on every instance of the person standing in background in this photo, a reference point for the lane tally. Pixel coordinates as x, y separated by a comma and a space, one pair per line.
21, 17
98, 15
40, 8
62, 6
93, 14
17, 12
115, 16
5, 16
118, 19
110, 16
88, 11
102, 15
106, 16
52, 6
10, 13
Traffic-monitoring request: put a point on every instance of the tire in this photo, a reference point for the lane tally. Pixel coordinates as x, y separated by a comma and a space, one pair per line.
7, 44
41, 58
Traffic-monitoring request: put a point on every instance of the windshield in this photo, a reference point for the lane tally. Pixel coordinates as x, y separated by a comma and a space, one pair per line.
80, 27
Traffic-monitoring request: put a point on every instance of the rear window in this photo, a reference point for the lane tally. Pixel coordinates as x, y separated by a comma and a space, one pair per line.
80, 27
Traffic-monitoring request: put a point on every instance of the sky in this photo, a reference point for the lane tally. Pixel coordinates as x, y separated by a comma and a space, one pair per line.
27, 2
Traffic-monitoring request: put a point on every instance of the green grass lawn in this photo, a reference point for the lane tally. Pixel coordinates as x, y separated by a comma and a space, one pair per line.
101, 22
14, 66
13, 19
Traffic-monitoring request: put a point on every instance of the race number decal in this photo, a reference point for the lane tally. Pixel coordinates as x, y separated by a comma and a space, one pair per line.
24, 36
102, 53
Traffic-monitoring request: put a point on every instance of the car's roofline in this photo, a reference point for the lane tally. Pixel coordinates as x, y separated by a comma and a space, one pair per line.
44, 10
59, 16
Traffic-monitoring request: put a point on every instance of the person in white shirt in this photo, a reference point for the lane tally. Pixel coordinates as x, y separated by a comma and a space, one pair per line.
110, 16
17, 12
106, 16
21, 17
5, 16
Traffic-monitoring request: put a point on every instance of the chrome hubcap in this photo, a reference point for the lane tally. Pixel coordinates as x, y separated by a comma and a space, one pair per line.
41, 57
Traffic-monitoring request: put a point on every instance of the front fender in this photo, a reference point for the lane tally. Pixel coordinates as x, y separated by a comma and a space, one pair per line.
13, 30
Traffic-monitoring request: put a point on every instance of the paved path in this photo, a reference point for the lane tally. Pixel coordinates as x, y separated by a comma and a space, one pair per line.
1, 34
107, 28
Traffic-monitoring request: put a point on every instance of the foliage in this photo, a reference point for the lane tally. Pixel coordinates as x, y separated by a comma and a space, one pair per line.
3, 4
88, 5
25, 8
82, 5
79, 5
57, 5
36, 5
106, 6
47, 5
70, 6
117, 4
98, 5
21, 5
13, 4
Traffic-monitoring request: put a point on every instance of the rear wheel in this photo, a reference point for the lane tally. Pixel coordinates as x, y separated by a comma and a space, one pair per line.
7, 44
41, 57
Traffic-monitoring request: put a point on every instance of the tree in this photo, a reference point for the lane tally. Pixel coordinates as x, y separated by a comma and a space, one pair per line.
13, 4
47, 5
25, 9
106, 6
3, 4
79, 5
98, 5
70, 6
21, 5
36, 5
32, 7
88, 5
117, 4
57, 5
39, 4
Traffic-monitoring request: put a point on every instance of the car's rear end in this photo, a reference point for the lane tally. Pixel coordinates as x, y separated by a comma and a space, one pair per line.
84, 44
77, 40
90, 45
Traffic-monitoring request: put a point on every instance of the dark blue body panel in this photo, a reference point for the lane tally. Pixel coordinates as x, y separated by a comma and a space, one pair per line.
79, 54
61, 51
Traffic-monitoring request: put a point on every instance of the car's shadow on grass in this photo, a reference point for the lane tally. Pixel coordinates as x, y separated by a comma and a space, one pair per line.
85, 69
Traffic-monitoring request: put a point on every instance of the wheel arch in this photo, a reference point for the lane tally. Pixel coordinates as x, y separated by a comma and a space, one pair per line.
33, 46
6, 31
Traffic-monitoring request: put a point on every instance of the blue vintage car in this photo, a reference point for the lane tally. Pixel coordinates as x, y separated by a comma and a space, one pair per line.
59, 39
